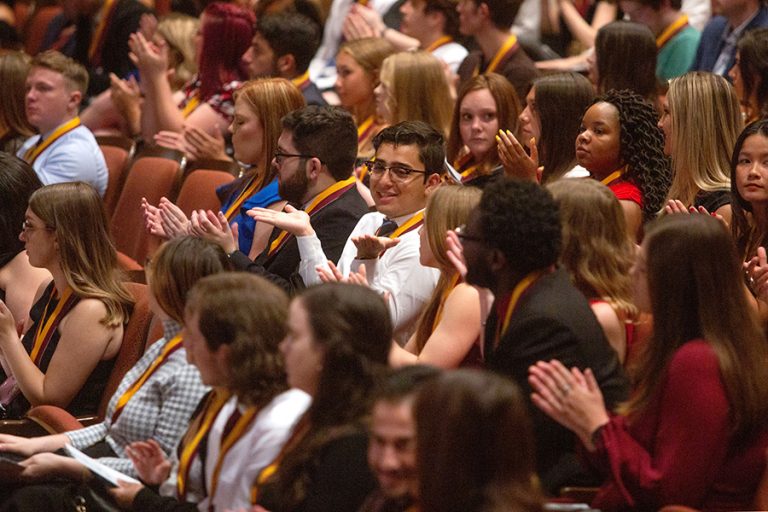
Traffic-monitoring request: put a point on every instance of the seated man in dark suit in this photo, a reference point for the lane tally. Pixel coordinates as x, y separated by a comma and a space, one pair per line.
315, 155
511, 245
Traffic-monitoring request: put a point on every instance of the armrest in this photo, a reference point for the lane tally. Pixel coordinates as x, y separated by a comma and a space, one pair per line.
24, 427
53, 419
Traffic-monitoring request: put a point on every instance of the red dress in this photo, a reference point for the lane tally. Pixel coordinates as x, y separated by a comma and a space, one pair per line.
679, 450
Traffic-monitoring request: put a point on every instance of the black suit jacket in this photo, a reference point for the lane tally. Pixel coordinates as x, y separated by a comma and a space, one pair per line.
553, 320
333, 225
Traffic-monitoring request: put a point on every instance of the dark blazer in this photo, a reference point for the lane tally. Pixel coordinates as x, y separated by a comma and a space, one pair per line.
518, 68
333, 225
711, 43
313, 96
553, 320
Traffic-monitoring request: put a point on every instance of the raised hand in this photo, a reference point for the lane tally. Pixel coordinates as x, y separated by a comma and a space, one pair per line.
455, 252
200, 144
371, 246
149, 460
214, 228
173, 220
515, 160
295, 222
571, 398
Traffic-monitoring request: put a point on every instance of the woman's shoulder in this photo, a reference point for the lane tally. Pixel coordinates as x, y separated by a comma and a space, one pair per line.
694, 358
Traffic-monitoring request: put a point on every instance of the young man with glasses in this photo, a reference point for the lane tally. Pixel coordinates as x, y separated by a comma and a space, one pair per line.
315, 155
384, 246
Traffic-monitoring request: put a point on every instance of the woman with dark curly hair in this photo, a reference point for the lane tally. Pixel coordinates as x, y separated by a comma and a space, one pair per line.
620, 144
339, 336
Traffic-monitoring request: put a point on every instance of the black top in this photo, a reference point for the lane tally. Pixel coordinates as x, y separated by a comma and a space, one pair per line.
86, 401
339, 479
713, 200
553, 320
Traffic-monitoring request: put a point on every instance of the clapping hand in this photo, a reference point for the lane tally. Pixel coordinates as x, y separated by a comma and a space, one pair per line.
570, 397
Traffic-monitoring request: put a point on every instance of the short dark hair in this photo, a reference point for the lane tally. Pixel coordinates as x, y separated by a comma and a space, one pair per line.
448, 9
502, 12
328, 133
401, 383
290, 33
522, 220
427, 138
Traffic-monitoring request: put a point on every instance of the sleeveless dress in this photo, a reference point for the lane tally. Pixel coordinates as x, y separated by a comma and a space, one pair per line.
87, 399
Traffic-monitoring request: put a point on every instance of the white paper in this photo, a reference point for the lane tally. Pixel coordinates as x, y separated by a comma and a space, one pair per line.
106, 473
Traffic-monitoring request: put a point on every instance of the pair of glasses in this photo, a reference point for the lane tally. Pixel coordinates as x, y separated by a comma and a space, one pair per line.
280, 157
27, 226
396, 172
461, 232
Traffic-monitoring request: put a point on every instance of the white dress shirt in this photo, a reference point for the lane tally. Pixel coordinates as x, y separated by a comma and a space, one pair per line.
253, 451
397, 271
75, 156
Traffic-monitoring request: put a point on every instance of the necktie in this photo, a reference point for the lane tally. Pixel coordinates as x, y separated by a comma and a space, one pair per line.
387, 227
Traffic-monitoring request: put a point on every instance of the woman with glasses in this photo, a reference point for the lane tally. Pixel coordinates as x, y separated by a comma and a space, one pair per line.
259, 107
448, 330
75, 327
485, 104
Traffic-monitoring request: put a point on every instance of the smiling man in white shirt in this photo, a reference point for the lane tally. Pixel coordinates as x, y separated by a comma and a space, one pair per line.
407, 167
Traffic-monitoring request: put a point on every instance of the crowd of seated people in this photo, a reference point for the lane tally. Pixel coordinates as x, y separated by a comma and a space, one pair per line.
451, 262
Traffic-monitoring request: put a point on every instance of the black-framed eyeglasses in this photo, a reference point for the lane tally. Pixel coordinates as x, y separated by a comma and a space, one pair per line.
27, 226
461, 232
280, 157
396, 172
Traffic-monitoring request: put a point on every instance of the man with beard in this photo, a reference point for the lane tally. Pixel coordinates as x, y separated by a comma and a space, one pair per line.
383, 248
315, 155
511, 244
282, 46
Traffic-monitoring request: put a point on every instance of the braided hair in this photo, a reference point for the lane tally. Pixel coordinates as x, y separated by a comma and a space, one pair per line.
642, 148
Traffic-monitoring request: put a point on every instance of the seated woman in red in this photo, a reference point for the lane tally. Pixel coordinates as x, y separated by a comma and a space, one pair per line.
621, 146
695, 431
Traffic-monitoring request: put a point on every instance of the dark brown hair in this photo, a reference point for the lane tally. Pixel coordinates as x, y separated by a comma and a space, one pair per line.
475, 446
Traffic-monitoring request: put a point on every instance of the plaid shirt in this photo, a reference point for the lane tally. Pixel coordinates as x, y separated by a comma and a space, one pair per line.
159, 410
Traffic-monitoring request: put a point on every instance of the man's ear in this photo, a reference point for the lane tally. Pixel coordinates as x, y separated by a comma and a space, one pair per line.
484, 10
314, 168
75, 97
286, 65
434, 180
496, 260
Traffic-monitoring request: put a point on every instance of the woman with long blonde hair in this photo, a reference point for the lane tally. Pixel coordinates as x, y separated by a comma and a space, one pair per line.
405, 81
75, 327
358, 64
701, 121
448, 331
598, 255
